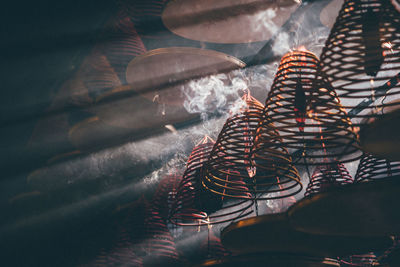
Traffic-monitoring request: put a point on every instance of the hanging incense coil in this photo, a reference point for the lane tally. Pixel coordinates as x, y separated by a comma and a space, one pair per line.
124, 247
105, 67
212, 248
372, 168
361, 57
194, 205
328, 177
122, 44
97, 75
165, 194
231, 165
146, 15
312, 124
159, 247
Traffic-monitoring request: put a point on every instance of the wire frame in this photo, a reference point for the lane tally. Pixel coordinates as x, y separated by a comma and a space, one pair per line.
361, 57
194, 205
328, 177
312, 124
372, 168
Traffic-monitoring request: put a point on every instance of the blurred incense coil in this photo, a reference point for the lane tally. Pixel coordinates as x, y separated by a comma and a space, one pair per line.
312, 124
212, 248
146, 15
165, 194
122, 44
369, 259
127, 233
328, 177
361, 57
159, 247
372, 168
194, 205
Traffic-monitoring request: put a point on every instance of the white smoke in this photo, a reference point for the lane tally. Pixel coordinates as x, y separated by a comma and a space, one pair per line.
281, 44
214, 93
263, 21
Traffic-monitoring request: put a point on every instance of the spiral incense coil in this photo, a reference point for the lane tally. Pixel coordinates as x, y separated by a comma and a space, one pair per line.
193, 204
124, 247
229, 164
361, 57
328, 177
97, 74
105, 68
371, 168
212, 248
159, 245
232, 172
311, 123
360, 260
122, 44
118, 257
146, 15
165, 194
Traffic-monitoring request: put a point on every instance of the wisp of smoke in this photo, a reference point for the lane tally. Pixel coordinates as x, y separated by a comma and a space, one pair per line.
214, 94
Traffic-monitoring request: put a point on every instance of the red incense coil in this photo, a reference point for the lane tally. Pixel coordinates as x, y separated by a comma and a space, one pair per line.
125, 248
233, 170
194, 205
146, 15
361, 57
229, 171
212, 248
328, 177
122, 44
97, 74
311, 123
159, 246
372, 168
165, 194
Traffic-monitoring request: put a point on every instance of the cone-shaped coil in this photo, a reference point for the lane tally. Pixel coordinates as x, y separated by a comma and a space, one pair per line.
212, 248
372, 168
159, 246
164, 197
97, 74
146, 15
229, 166
312, 124
232, 172
361, 57
122, 44
194, 205
125, 248
327, 177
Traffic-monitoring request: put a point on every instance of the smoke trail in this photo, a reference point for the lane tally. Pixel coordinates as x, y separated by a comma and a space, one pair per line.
214, 94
